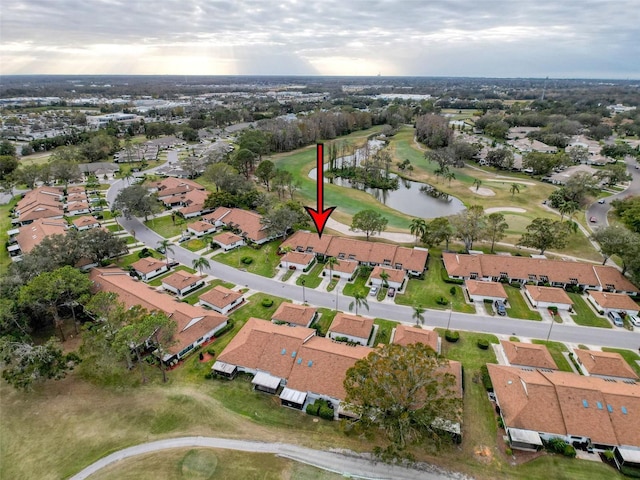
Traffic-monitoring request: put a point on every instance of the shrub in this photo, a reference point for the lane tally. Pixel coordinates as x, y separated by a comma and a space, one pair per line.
500, 422
442, 301
452, 336
325, 412
483, 343
211, 351
630, 471
452, 291
508, 451
516, 284
445, 278
144, 253
208, 375
553, 309
556, 445
246, 260
608, 454
486, 379
227, 328
569, 451
267, 302
312, 409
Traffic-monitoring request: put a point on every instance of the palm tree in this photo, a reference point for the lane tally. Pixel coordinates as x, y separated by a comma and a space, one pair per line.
515, 188
200, 263
167, 246
418, 228
127, 176
331, 261
359, 300
449, 176
384, 276
477, 182
206, 238
418, 312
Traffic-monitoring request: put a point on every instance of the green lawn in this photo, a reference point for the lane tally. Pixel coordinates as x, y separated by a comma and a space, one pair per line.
324, 322
156, 282
385, 328
127, 260
556, 349
253, 308
195, 244
313, 278
584, 315
332, 284
359, 284
164, 226
287, 275
518, 306
129, 239
5, 225
426, 292
630, 357
114, 228
265, 261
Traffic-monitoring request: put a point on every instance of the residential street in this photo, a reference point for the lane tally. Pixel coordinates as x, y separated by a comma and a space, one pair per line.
599, 211
614, 337
348, 464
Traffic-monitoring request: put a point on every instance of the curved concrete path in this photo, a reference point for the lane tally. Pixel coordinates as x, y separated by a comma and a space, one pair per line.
348, 464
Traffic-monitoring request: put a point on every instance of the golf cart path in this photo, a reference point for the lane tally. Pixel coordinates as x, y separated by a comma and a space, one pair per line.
346, 463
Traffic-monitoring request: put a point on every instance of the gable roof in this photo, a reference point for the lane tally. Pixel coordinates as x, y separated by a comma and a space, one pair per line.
193, 321
352, 325
31, 235
406, 335
220, 296
394, 275
548, 294
485, 289
343, 266
201, 226
293, 313
556, 271
85, 221
148, 265
568, 404
248, 222
181, 279
528, 354
414, 259
605, 363
619, 301
226, 238
297, 257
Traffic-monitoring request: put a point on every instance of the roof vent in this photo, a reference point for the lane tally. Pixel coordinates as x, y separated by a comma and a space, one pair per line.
585, 404
293, 354
310, 363
599, 404
610, 408
623, 410
299, 361
284, 350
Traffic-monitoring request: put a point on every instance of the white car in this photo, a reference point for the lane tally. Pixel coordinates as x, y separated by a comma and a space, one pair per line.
635, 321
373, 291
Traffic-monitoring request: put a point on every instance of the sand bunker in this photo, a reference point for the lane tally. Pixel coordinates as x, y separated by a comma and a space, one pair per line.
504, 209
485, 192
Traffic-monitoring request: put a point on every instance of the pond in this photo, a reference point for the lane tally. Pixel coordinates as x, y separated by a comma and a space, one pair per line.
407, 199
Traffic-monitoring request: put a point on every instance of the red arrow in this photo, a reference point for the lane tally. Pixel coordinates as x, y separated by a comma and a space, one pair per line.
319, 215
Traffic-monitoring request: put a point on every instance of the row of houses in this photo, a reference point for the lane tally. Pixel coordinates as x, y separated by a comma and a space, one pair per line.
557, 273
248, 227
301, 367
187, 196
413, 261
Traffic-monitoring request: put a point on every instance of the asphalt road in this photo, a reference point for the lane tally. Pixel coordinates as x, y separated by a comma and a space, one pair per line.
348, 464
615, 337
599, 211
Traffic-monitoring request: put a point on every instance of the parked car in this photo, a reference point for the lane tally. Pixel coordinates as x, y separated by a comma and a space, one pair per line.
374, 291
601, 201
391, 292
635, 320
500, 308
616, 319
593, 220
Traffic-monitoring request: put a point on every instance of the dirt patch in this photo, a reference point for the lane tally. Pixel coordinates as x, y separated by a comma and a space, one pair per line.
483, 454
483, 192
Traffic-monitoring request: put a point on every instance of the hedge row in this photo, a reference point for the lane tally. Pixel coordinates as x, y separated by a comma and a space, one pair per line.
320, 408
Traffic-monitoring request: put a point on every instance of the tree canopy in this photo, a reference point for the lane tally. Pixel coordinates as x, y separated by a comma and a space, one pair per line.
368, 221
407, 392
544, 233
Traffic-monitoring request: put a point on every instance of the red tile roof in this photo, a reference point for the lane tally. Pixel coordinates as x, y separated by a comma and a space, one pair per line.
181, 279
610, 364
220, 296
394, 275
31, 235
407, 335
352, 325
148, 265
201, 226
485, 289
292, 313
343, 266
248, 222
548, 294
226, 238
297, 257
85, 221
528, 354
618, 301
552, 402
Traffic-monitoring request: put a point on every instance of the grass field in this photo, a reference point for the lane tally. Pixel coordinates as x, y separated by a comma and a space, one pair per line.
157, 281
165, 227
518, 306
426, 292
324, 322
556, 349
204, 464
584, 315
264, 261
385, 327
359, 284
5, 225
313, 278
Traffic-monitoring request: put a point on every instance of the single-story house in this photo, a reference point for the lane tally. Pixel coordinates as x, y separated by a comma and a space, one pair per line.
24, 239
604, 364
200, 228
293, 314
543, 297
85, 223
627, 457
480, 291
345, 269
221, 299
520, 354
228, 241
408, 334
73, 189
148, 268
613, 302
395, 278
354, 328
78, 208
248, 224
76, 197
540, 404
181, 282
297, 260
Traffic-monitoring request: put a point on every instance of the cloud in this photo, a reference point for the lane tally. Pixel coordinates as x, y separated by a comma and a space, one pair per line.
466, 37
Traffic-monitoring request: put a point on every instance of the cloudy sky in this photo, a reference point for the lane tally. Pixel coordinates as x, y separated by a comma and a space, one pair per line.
514, 38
